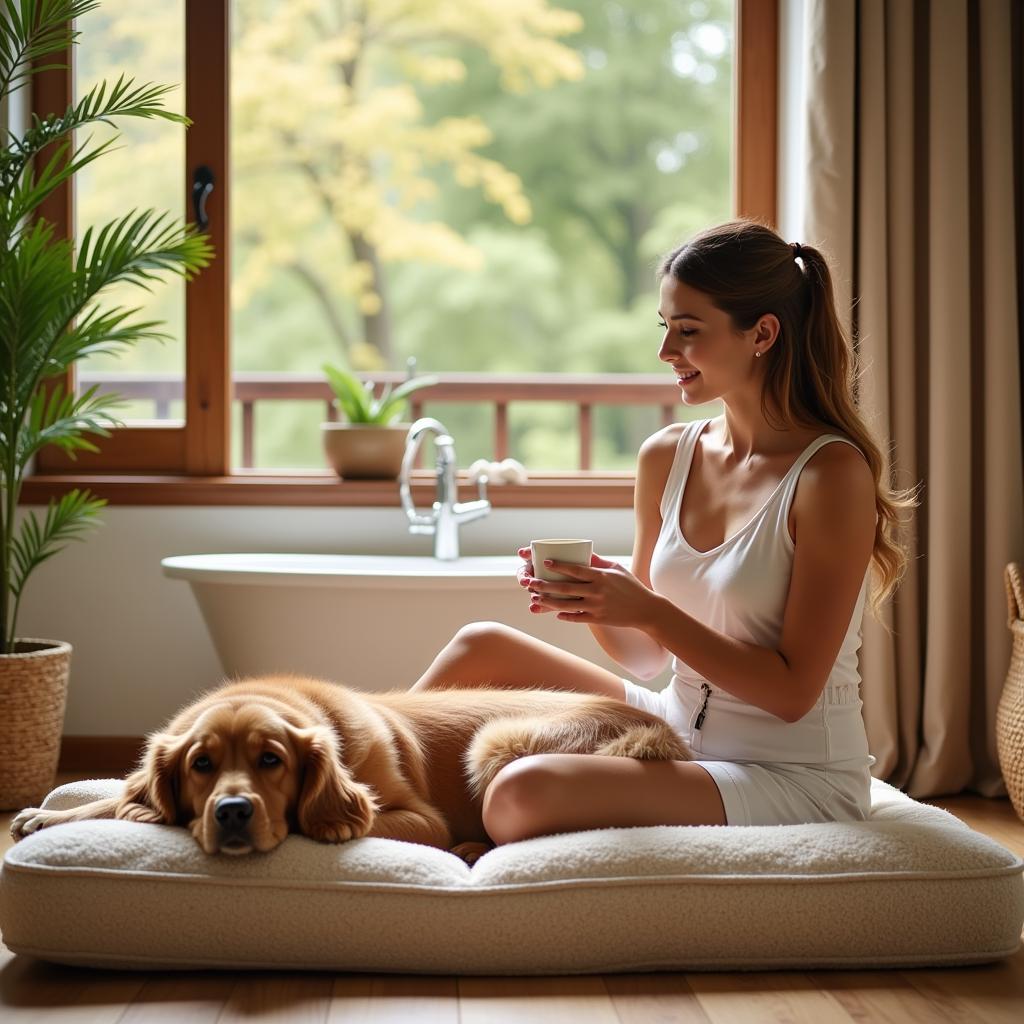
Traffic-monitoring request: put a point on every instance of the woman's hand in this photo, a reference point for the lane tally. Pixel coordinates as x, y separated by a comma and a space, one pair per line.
604, 593
524, 574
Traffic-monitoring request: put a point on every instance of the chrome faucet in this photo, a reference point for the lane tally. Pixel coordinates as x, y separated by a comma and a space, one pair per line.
443, 522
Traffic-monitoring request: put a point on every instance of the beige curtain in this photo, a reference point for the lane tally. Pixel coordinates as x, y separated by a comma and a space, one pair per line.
914, 188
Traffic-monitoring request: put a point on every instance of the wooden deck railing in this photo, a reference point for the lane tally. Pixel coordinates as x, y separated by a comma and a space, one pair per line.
584, 391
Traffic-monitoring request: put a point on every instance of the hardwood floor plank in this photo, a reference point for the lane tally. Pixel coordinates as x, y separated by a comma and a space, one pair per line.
986, 994
172, 998
102, 999
662, 997
996, 818
394, 999
562, 999
288, 997
33, 991
766, 998
879, 997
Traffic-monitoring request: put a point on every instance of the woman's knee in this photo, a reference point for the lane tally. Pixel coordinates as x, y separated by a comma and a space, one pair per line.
482, 639
485, 632
513, 802
474, 656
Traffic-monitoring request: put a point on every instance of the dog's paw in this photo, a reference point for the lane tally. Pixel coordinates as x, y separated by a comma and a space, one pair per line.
471, 852
30, 820
332, 832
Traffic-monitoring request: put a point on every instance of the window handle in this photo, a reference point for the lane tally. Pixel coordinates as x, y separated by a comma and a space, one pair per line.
202, 186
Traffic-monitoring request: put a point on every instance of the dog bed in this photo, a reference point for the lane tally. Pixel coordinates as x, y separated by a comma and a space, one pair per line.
912, 885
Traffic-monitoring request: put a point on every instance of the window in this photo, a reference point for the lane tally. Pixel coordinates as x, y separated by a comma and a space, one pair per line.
388, 190
142, 170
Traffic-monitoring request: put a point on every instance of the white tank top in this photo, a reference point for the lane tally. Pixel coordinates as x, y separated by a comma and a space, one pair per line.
739, 588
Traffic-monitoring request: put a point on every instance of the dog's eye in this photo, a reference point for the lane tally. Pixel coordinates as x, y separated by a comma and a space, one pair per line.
269, 760
202, 764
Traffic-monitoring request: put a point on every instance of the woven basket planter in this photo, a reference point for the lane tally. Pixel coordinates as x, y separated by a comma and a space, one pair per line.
33, 693
1010, 712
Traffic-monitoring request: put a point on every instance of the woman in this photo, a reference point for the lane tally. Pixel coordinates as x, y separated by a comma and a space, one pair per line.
755, 533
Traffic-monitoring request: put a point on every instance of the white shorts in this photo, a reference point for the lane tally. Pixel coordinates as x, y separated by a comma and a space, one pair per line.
760, 793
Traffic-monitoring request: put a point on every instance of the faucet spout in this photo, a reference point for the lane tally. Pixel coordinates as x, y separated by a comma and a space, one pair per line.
467, 511
447, 514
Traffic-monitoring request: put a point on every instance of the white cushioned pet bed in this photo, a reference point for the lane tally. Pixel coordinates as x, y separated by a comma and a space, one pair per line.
912, 885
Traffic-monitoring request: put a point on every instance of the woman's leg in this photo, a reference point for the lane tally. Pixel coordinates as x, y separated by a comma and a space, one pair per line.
542, 794
491, 653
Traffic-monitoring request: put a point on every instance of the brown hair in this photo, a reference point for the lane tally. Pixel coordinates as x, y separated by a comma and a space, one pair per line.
747, 270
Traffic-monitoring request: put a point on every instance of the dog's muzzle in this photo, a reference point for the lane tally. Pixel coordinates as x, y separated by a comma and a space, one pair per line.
233, 814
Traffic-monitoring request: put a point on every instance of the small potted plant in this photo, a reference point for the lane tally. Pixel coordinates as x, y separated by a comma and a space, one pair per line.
370, 445
49, 319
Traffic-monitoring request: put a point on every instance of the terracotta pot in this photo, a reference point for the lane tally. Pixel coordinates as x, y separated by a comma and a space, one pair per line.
33, 694
360, 451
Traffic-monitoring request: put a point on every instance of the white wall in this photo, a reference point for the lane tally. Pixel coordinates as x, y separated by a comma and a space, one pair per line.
141, 648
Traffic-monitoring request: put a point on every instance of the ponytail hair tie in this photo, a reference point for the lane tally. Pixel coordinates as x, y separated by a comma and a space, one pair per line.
797, 251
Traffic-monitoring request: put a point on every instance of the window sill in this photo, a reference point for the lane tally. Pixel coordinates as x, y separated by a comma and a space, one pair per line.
298, 488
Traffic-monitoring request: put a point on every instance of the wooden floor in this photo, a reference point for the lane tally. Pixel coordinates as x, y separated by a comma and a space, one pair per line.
35, 991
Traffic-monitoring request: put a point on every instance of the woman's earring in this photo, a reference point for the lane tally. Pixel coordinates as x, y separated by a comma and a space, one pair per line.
758, 354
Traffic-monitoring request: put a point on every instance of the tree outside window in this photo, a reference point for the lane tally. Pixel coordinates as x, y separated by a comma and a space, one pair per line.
483, 185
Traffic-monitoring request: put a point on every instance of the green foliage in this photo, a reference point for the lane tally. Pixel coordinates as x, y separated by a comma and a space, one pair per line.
49, 314
333, 107
605, 161
66, 520
358, 402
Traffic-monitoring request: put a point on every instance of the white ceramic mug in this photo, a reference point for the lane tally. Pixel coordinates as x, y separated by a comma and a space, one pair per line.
561, 549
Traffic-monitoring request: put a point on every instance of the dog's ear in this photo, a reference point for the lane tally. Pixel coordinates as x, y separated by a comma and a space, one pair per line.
331, 801
151, 791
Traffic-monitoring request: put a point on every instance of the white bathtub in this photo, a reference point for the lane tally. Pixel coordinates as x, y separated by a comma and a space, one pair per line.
374, 622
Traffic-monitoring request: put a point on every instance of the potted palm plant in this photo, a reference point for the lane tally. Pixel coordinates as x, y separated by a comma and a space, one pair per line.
370, 445
49, 319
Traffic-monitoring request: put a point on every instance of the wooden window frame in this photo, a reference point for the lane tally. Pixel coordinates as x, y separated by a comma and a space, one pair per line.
190, 463
201, 447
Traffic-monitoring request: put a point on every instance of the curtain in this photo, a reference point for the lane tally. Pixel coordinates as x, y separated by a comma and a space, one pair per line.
913, 187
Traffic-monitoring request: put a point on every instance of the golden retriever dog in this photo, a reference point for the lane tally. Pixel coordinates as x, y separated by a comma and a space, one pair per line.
250, 761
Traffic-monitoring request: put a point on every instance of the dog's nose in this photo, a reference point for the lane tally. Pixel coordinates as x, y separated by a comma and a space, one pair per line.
233, 812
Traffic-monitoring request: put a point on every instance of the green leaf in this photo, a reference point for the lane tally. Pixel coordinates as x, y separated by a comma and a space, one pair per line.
31, 192
377, 404
35, 278
132, 248
144, 102
66, 519
356, 397
63, 419
392, 409
46, 321
38, 29
352, 395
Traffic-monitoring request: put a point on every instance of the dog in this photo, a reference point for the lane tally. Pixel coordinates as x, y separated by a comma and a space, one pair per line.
251, 761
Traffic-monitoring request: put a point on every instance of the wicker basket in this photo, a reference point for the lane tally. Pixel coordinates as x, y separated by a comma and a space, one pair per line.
33, 693
1010, 712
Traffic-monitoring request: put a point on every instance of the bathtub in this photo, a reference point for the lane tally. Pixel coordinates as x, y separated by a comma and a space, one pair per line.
374, 622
